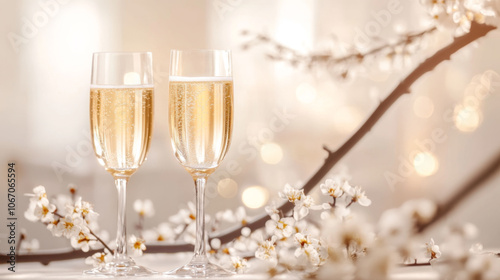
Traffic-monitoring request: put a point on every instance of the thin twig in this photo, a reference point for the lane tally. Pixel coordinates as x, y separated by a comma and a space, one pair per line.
350, 203
100, 240
284, 53
181, 232
415, 264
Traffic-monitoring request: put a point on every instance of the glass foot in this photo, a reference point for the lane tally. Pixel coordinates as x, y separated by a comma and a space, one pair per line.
196, 269
124, 268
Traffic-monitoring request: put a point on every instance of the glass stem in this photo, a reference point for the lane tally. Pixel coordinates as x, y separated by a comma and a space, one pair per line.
121, 232
200, 254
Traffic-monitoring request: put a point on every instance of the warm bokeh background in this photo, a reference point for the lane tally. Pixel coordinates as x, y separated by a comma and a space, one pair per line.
44, 88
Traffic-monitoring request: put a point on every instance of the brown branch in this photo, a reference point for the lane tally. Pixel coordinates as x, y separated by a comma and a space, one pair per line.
464, 191
68, 254
477, 31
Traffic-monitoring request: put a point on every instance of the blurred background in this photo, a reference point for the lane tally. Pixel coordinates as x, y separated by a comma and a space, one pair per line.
283, 115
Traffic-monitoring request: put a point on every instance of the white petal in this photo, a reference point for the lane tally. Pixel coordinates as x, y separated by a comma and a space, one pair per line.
138, 205
364, 201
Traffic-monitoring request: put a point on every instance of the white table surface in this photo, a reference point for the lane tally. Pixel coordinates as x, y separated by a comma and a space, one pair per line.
72, 269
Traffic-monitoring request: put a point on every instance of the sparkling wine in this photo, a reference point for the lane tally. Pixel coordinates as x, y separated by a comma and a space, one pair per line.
201, 119
122, 120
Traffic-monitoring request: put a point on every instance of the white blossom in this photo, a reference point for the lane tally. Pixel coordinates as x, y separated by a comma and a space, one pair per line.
72, 188
420, 210
39, 207
458, 14
248, 243
239, 216
333, 187
432, 250
29, 214
83, 240
184, 216
30, 246
239, 264
359, 196
62, 203
137, 245
163, 232
45, 211
85, 210
311, 248
267, 251
354, 234
144, 208
395, 227
485, 266
376, 264
302, 206
272, 211
281, 228
291, 194
99, 259
69, 226
39, 194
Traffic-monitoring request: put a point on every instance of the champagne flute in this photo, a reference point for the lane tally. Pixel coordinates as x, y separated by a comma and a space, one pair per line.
121, 119
200, 122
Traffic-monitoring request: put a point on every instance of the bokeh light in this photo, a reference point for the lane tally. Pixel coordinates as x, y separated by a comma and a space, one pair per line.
271, 153
305, 93
347, 119
423, 107
467, 119
425, 164
227, 188
255, 197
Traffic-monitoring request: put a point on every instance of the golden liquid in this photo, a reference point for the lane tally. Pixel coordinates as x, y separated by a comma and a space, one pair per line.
121, 120
201, 122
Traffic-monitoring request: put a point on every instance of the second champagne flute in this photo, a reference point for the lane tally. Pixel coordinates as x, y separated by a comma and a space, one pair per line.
200, 122
121, 119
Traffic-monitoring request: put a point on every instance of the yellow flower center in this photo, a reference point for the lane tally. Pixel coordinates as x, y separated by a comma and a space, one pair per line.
237, 265
83, 238
68, 225
137, 245
45, 210
281, 225
304, 242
